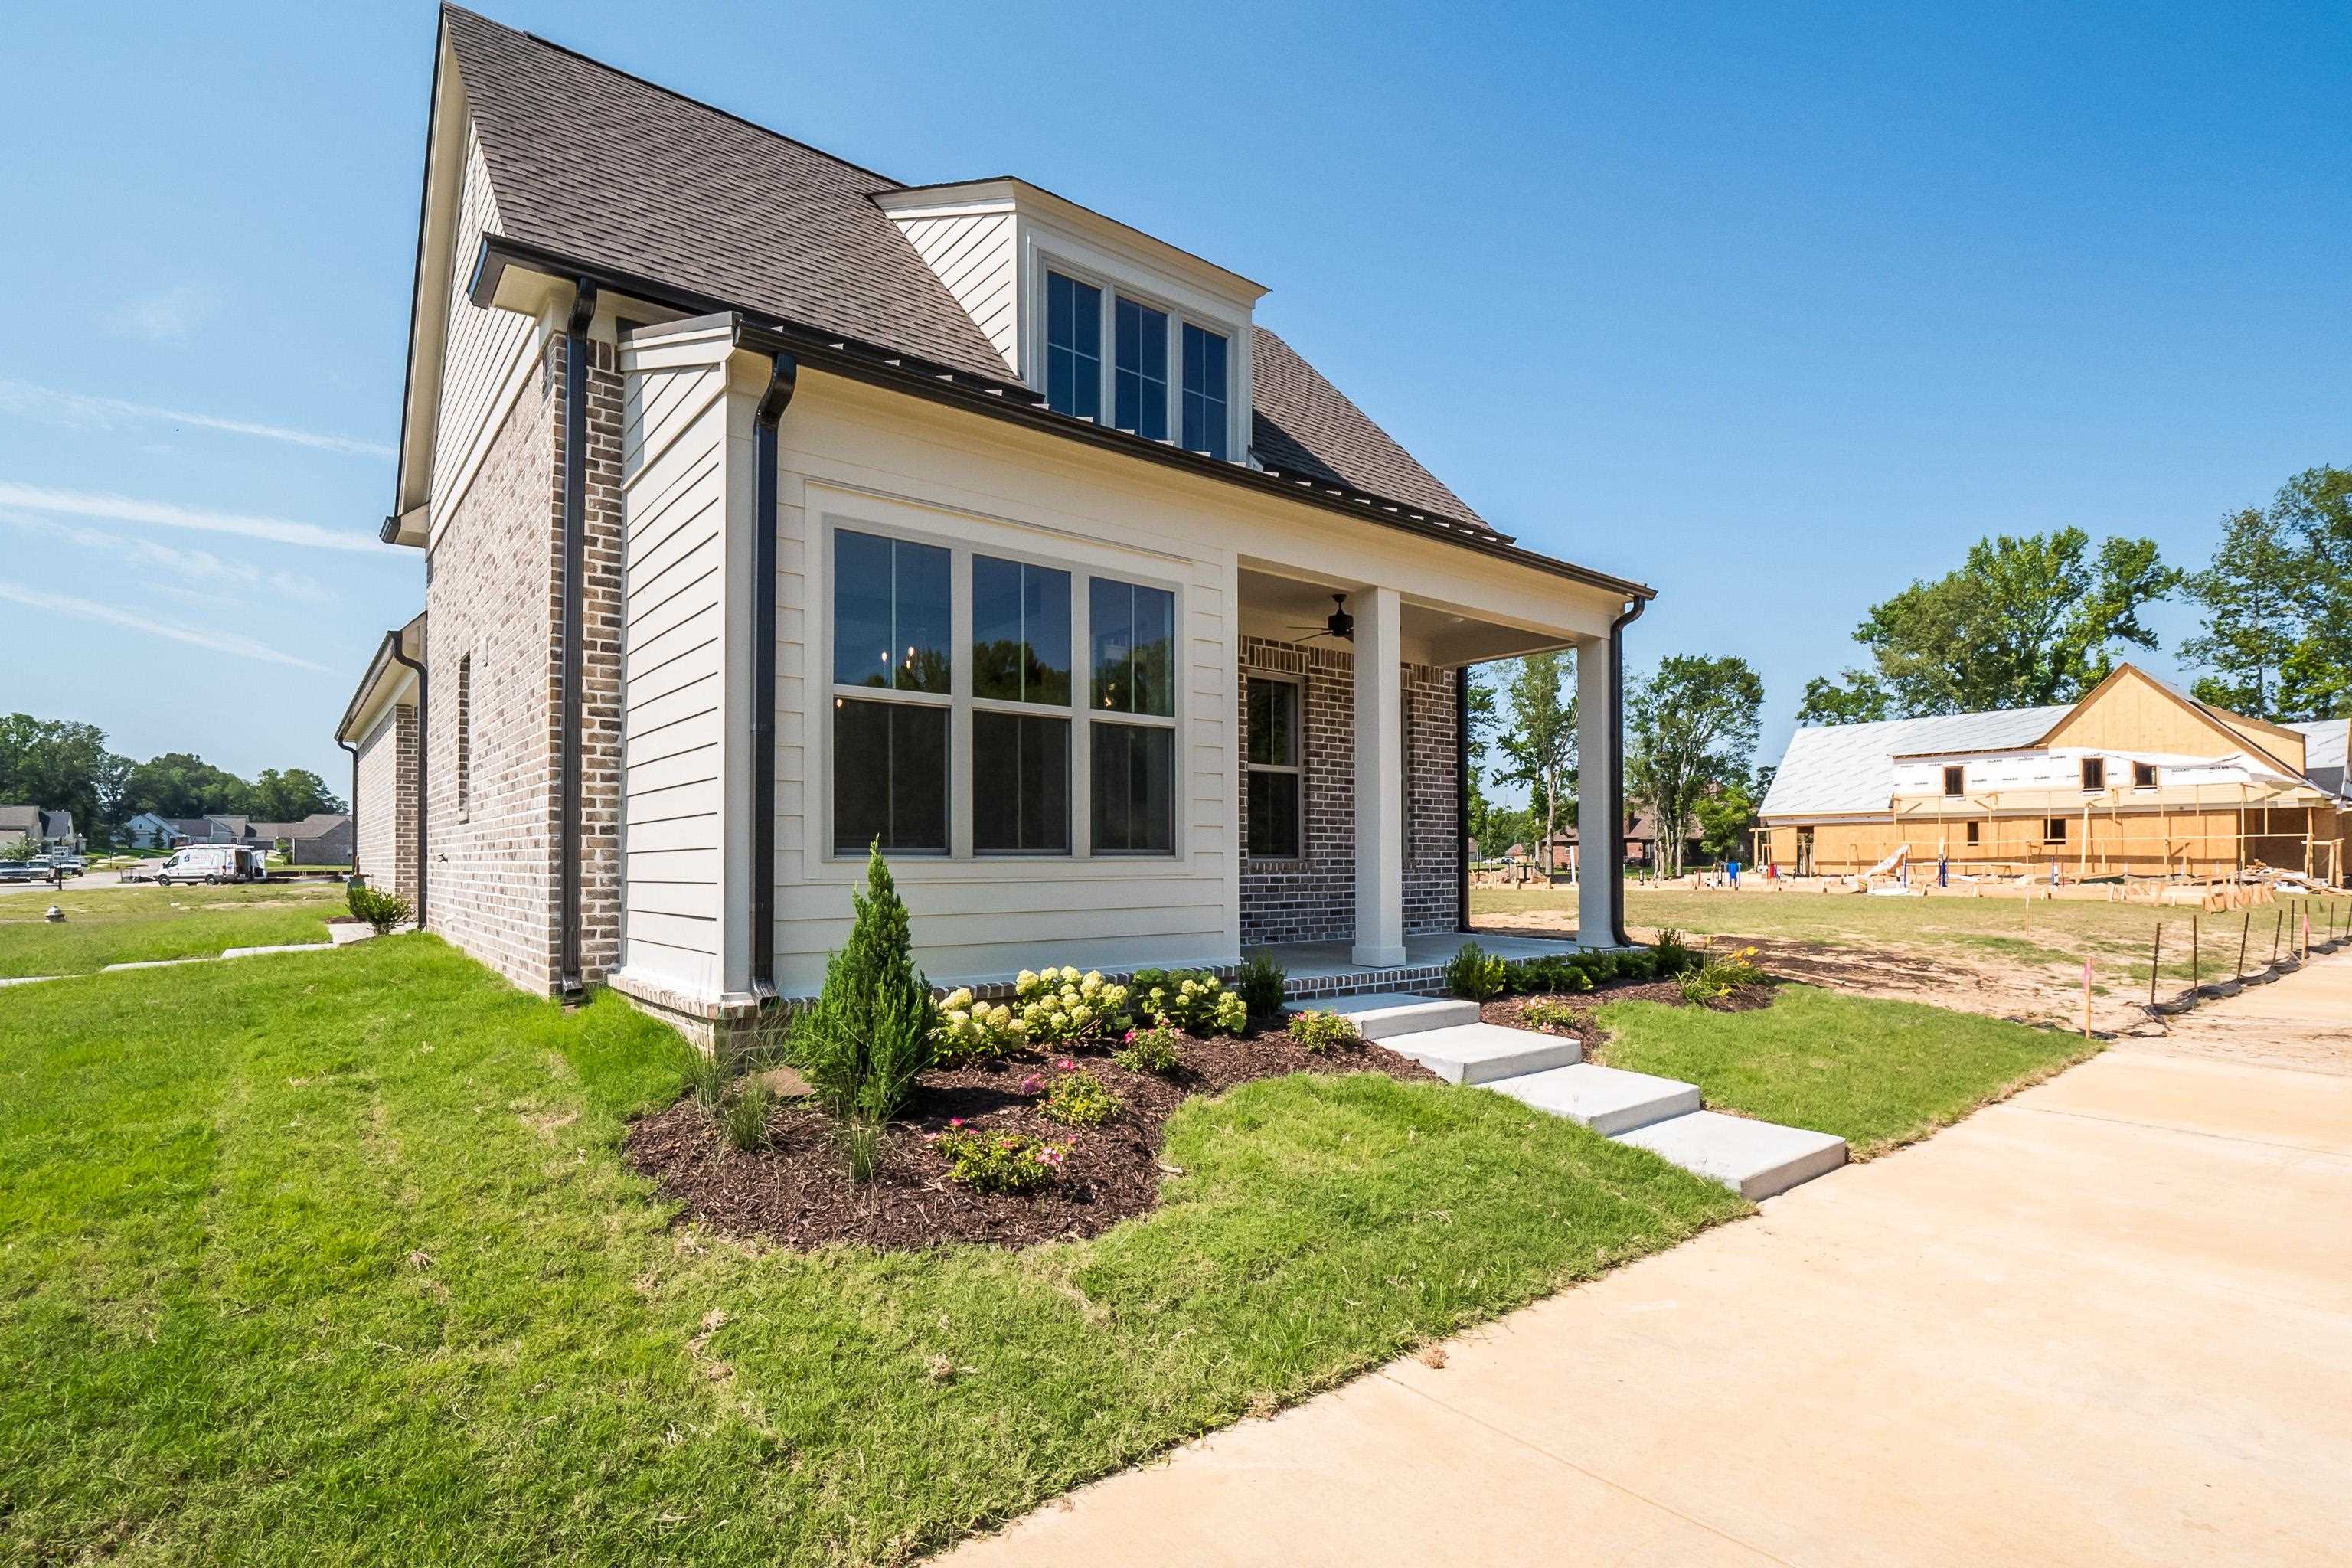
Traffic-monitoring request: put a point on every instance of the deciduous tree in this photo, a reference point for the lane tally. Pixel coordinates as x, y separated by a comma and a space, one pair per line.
1693, 724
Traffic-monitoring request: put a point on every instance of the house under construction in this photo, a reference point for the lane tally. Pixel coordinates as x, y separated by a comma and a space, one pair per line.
2135, 779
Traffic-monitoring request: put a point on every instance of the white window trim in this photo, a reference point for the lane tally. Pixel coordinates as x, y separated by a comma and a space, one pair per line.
1298, 769
1039, 260
960, 704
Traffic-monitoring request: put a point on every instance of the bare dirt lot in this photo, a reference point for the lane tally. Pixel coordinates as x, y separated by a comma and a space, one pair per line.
2006, 957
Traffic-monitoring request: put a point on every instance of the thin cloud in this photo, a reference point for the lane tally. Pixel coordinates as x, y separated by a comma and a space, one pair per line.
167, 514
195, 637
168, 315
85, 412
199, 565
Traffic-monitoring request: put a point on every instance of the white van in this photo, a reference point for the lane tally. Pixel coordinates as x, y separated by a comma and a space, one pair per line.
211, 863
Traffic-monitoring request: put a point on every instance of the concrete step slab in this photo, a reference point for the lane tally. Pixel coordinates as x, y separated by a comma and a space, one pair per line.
1481, 1053
1755, 1159
1384, 1014
1609, 1100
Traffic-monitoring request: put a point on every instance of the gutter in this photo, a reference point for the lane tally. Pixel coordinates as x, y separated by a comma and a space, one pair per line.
423, 810
354, 750
783, 377
569, 985
1013, 402
1616, 841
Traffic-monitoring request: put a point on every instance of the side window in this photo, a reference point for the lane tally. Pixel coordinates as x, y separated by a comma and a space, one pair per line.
1276, 829
465, 737
1073, 347
1020, 665
1205, 391
1133, 765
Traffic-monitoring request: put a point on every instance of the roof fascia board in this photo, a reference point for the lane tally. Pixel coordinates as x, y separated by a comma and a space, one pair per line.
436, 226
1007, 401
1009, 193
2197, 709
375, 688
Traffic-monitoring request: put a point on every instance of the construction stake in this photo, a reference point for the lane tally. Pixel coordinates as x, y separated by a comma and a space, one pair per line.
2155, 962
2243, 931
2194, 950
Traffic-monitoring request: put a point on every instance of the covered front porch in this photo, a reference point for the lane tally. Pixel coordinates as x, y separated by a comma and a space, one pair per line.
1316, 969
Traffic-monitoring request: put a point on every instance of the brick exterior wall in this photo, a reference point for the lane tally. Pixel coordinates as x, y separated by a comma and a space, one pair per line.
1313, 898
494, 597
386, 807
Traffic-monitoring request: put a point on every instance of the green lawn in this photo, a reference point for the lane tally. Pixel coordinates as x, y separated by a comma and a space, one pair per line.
333, 1259
2115, 937
129, 925
1878, 1074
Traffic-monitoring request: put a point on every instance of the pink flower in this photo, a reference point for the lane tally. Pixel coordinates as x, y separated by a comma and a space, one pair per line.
1128, 1037
1032, 1084
955, 1120
1065, 1064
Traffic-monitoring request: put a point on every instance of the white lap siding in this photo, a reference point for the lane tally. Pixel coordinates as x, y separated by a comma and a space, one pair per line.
889, 467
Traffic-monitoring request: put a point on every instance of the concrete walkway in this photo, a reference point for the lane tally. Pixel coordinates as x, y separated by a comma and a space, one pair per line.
2107, 1321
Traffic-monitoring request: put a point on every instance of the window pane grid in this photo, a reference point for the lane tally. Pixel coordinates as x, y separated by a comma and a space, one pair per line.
1020, 632
1205, 391
1139, 370
1073, 347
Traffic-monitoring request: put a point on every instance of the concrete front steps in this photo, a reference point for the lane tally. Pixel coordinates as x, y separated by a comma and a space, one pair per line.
1758, 1160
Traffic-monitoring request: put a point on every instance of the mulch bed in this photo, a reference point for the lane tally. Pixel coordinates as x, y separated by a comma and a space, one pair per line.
797, 1192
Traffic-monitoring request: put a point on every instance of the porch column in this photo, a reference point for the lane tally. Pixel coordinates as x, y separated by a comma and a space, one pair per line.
1600, 813
1379, 777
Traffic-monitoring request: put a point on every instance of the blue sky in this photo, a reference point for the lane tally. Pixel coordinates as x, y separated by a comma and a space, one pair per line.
1774, 307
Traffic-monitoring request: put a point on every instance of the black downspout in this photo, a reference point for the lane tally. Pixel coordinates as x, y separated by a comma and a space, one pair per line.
423, 807
569, 984
1615, 837
354, 750
1461, 796
782, 378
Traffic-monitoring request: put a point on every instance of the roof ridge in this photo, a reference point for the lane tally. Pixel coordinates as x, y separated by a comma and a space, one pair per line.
447, 10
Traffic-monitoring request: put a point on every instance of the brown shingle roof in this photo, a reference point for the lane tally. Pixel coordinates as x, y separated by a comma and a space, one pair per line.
604, 168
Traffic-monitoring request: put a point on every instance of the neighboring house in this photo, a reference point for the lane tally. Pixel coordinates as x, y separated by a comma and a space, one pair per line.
34, 825
2136, 779
322, 838
149, 831
773, 508
1639, 842
214, 829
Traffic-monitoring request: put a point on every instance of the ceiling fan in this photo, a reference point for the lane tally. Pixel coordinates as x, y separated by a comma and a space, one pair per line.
1339, 624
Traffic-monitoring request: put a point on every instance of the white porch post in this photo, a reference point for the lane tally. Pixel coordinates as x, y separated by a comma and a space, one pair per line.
1379, 777
1600, 815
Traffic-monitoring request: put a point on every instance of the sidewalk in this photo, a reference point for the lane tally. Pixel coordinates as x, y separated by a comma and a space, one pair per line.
2107, 1321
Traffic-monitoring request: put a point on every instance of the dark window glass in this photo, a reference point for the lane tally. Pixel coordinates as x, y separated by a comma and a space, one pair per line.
1020, 632
889, 613
2094, 772
1139, 369
2056, 830
1073, 347
1972, 834
1954, 781
889, 777
1021, 783
1134, 633
1205, 391
1273, 723
1273, 816
2143, 775
1134, 790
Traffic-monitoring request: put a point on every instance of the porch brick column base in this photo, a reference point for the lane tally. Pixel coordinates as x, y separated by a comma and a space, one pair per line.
1379, 777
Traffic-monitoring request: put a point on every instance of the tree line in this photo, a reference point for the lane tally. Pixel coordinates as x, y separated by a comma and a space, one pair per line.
2025, 622
61, 765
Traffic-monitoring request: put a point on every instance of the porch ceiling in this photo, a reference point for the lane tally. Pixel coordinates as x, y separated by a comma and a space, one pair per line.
1289, 608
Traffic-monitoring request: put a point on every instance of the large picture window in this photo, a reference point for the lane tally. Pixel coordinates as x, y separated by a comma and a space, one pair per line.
1274, 829
967, 694
891, 619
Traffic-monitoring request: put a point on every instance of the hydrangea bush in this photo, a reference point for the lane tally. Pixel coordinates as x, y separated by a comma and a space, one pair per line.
971, 1031
1060, 1005
1192, 999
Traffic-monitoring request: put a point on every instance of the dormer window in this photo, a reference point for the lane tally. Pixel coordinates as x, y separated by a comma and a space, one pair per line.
1073, 347
1139, 370
1205, 391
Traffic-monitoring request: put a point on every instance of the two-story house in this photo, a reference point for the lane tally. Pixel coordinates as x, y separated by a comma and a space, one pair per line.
771, 508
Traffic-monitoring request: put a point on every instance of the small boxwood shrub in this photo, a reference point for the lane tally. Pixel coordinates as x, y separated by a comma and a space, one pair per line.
1320, 1032
382, 910
999, 1162
1152, 1048
1192, 999
1259, 985
1475, 974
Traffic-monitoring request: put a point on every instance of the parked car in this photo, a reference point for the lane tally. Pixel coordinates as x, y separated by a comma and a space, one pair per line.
16, 872
71, 865
211, 863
